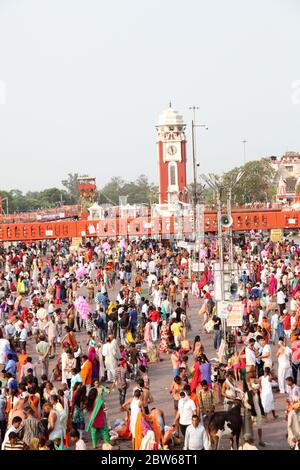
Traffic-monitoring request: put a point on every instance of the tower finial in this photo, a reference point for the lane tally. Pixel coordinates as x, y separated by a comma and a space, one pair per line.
170, 104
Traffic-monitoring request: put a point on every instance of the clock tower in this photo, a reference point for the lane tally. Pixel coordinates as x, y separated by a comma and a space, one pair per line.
171, 156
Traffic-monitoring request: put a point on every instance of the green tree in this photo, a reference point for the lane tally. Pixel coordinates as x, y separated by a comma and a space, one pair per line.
256, 182
70, 183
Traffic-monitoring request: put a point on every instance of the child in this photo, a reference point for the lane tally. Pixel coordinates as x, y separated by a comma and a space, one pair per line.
236, 365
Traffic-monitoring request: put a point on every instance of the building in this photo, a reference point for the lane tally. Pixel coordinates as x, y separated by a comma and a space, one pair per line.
171, 157
288, 172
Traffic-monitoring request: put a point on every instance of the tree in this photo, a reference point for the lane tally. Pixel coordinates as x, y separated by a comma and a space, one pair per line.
256, 183
111, 192
139, 191
72, 188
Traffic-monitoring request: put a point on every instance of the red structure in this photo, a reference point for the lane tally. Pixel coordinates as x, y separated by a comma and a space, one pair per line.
87, 190
171, 156
243, 220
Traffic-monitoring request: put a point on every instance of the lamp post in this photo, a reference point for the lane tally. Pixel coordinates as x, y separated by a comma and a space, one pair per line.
195, 166
244, 143
219, 186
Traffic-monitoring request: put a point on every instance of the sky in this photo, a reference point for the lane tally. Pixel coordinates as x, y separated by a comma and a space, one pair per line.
82, 83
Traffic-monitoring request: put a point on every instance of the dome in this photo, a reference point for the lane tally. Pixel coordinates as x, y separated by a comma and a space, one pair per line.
170, 117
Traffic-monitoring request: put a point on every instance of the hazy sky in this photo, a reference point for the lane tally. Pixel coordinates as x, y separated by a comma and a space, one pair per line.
82, 83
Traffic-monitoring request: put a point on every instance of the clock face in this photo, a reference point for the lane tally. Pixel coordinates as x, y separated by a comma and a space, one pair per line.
172, 150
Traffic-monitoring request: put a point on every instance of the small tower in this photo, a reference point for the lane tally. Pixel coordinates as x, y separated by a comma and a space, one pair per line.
171, 156
87, 190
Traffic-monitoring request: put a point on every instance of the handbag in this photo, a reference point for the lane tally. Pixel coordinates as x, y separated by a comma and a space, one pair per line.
209, 326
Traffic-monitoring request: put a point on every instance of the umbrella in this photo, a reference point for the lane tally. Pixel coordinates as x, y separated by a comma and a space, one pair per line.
106, 246
122, 244
81, 272
82, 307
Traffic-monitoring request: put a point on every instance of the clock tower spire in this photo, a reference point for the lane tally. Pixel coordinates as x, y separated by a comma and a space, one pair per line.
171, 155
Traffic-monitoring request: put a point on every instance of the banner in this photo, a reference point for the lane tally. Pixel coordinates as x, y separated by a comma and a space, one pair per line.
232, 311
276, 234
76, 241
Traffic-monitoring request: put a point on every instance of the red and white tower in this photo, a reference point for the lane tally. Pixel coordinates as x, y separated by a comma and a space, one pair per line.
171, 155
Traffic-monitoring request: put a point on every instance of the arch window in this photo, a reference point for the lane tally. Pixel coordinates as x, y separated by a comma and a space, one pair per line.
172, 174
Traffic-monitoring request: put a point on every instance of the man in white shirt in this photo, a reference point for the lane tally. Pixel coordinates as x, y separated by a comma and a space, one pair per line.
281, 300
23, 337
186, 410
152, 267
9, 329
145, 308
250, 361
195, 436
274, 326
266, 355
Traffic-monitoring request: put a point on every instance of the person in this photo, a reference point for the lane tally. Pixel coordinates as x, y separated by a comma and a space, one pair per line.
13, 442
267, 397
274, 326
86, 372
250, 360
293, 393
293, 426
248, 443
254, 410
133, 359
229, 391
154, 316
195, 436
16, 427
164, 338
198, 348
281, 300
176, 329
11, 365
79, 443
121, 380
197, 377
186, 409
266, 353
136, 406
111, 354
97, 424
3, 420
217, 331
31, 428
160, 418
284, 364
43, 348
54, 424
206, 400
52, 336
176, 361
295, 357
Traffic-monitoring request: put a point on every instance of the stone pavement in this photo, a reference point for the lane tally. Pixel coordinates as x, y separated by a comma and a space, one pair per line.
274, 431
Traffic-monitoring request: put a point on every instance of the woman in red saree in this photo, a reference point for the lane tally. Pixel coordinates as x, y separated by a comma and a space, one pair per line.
197, 376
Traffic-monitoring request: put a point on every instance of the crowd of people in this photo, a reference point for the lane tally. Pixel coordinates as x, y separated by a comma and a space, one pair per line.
81, 324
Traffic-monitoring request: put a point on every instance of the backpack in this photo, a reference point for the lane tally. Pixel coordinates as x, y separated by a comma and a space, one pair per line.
100, 322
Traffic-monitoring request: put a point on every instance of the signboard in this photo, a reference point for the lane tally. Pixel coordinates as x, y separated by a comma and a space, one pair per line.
276, 234
182, 244
232, 311
76, 241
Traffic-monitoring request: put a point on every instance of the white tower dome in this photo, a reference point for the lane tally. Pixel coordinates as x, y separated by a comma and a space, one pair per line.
170, 117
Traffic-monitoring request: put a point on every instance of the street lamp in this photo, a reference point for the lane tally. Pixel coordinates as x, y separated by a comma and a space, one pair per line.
195, 166
244, 142
219, 186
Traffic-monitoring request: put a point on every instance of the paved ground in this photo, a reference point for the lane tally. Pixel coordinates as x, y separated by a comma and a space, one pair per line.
274, 432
